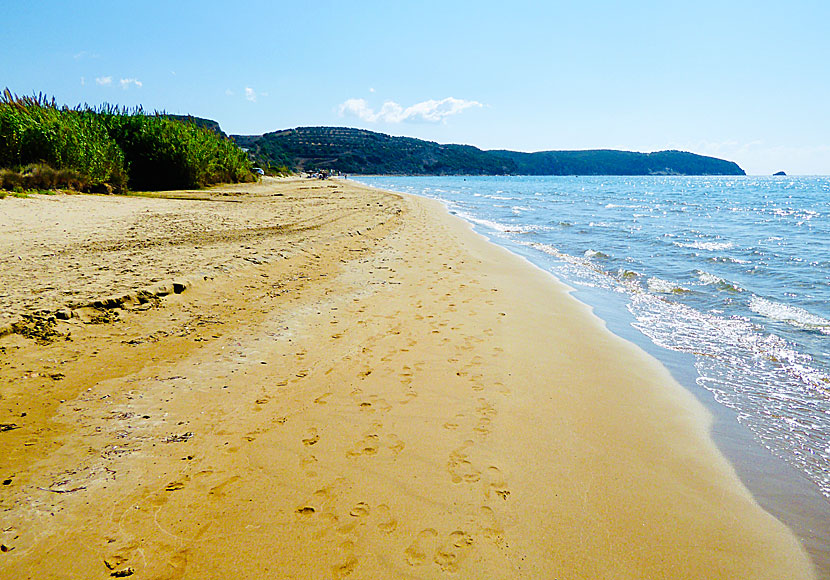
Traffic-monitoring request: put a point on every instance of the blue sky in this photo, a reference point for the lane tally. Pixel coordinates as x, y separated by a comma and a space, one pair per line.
747, 81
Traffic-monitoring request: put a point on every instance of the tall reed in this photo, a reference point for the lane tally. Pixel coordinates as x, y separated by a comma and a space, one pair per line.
114, 146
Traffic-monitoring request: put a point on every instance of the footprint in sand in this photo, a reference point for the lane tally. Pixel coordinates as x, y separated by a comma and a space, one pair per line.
418, 551
321, 400
482, 426
386, 523
360, 510
347, 563
451, 551
407, 397
368, 445
489, 525
460, 467
382, 405
455, 422
219, 490
485, 409
313, 437
494, 483
395, 444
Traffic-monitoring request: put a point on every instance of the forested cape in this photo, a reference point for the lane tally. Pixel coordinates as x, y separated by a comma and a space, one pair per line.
358, 151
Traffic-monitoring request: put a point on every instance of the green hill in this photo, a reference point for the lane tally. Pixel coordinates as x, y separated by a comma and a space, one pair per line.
609, 162
201, 122
359, 151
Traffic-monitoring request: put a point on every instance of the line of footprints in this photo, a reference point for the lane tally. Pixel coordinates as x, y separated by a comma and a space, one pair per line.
447, 550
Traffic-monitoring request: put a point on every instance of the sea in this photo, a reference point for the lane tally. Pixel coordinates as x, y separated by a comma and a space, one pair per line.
729, 275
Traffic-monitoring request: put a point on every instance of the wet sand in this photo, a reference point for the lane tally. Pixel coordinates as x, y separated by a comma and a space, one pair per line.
353, 384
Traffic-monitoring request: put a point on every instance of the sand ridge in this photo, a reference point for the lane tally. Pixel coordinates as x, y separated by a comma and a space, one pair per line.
409, 401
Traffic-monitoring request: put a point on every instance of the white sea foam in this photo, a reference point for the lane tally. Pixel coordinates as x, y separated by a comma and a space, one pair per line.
484, 222
595, 254
709, 246
776, 377
660, 286
711, 280
792, 315
773, 388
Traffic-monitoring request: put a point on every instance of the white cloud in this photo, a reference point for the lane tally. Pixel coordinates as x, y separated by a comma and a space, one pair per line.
83, 81
103, 81
85, 54
250, 94
229, 92
391, 112
371, 89
126, 83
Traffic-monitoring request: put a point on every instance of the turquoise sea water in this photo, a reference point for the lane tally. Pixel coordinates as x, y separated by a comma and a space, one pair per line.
732, 271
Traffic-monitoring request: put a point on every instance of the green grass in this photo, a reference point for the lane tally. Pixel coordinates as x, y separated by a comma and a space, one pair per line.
24, 194
109, 149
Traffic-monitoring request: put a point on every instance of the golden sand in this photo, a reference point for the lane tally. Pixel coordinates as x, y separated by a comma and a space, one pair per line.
380, 393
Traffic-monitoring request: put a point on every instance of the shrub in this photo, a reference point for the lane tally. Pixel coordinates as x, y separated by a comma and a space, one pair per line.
105, 149
39, 176
35, 130
10, 179
162, 153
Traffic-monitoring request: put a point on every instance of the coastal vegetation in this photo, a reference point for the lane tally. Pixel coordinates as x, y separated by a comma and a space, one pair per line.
110, 149
365, 152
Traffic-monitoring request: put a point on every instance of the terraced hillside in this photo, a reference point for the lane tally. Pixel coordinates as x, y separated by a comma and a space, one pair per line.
359, 151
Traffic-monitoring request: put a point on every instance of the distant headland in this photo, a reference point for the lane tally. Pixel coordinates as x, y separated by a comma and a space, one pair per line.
358, 151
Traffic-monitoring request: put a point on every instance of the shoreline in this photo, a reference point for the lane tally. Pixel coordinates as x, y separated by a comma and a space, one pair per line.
390, 402
778, 487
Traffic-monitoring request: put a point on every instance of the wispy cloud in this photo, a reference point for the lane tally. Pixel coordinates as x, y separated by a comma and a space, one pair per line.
127, 83
103, 81
391, 112
250, 94
85, 54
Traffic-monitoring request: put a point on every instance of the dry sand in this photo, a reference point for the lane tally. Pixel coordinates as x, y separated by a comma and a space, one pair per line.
362, 387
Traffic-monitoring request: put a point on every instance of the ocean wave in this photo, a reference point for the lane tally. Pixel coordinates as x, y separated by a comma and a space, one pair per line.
773, 387
499, 227
792, 315
660, 286
595, 254
502, 227
708, 279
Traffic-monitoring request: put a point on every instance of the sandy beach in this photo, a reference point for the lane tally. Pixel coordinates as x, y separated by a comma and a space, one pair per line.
313, 379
